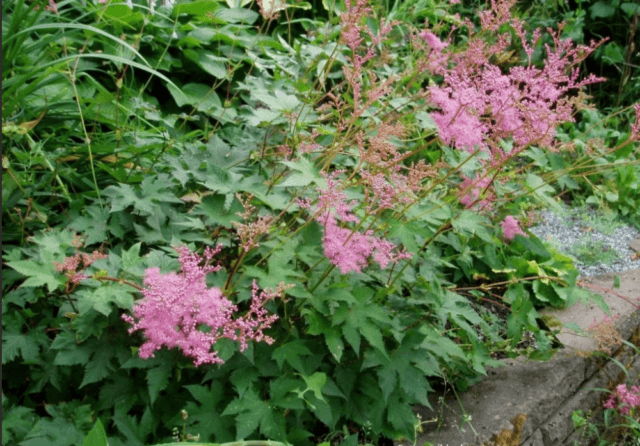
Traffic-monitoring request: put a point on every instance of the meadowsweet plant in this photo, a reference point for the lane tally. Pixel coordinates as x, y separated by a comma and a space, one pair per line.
298, 224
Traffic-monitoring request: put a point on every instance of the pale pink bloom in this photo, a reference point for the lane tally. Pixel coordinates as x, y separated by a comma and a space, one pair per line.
510, 228
433, 41
176, 305
71, 264
347, 251
624, 399
480, 103
345, 248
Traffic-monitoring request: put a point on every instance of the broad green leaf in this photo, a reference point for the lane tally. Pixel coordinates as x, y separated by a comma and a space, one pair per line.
215, 211
37, 274
158, 379
131, 258
601, 10
280, 101
252, 413
243, 379
307, 174
542, 190
213, 65
534, 245
334, 342
93, 225
470, 223
78, 355
14, 344
98, 367
400, 414
426, 121
96, 436
200, 96
101, 298
129, 426
17, 420
630, 8
292, 353
315, 383
237, 15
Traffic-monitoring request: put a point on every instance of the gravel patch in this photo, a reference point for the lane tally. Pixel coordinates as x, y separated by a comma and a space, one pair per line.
597, 241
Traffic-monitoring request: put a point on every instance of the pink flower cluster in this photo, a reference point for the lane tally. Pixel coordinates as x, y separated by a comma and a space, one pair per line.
350, 249
624, 399
177, 306
511, 228
480, 103
352, 34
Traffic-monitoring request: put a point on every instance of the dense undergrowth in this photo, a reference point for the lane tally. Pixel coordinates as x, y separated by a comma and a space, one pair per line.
288, 220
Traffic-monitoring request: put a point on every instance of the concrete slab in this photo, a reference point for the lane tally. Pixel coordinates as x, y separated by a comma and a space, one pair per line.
545, 392
635, 245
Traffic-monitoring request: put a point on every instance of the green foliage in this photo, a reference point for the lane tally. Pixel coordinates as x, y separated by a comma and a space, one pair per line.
128, 132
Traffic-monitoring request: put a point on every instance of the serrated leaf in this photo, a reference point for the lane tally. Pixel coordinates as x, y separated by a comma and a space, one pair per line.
469, 223
315, 383
292, 353
243, 379
200, 96
93, 227
543, 191
334, 343
131, 258
213, 65
79, 355
37, 274
101, 298
307, 174
158, 379
16, 419
14, 344
388, 379
96, 436
400, 415
128, 425
373, 334
253, 412
353, 337
280, 101
534, 245
98, 367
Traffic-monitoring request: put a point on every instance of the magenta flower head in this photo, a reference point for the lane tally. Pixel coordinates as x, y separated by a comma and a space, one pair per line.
178, 310
510, 228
